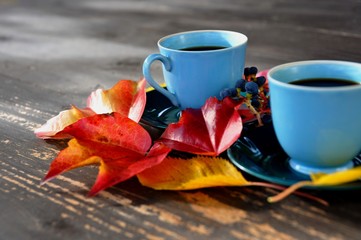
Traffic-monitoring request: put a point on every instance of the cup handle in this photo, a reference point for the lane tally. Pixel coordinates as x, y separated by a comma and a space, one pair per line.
146, 71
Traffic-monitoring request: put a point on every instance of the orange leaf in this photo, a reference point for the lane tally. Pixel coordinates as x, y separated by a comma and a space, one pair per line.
126, 97
74, 156
59, 122
194, 173
207, 131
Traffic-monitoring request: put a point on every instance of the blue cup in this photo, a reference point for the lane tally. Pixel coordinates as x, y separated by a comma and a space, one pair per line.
198, 65
318, 127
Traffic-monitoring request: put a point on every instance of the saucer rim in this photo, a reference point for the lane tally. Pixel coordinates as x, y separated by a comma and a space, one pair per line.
278, 180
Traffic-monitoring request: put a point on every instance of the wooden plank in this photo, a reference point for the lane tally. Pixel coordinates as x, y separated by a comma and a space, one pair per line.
54, 53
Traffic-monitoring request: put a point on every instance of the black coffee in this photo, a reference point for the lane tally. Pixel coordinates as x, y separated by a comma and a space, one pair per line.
202, 48
324, 82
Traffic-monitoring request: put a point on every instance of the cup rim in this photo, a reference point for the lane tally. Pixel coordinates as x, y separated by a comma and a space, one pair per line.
159, 43
311, 62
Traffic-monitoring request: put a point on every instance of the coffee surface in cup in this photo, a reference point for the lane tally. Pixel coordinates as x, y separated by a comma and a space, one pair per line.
202, 48
324, 82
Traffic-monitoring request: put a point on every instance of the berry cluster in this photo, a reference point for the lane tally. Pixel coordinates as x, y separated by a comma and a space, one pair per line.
252, 90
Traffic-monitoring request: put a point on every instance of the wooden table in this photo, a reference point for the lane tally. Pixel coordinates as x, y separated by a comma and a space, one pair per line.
54, 53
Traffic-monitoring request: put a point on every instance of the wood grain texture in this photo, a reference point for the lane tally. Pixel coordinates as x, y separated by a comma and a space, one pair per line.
54, 52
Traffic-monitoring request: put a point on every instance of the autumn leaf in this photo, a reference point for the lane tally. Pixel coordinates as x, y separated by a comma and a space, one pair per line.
74, 156
337, 178
111, 130
206, 131
118, 170
126, 97
246, 114
322, 179
114, 141
186, 174
105, 136
201, 172
59, 122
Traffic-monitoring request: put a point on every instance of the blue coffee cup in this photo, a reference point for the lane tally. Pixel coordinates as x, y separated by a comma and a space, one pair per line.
319, 127
198, 65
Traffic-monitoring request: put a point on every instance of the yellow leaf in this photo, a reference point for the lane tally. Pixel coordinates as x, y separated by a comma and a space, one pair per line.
322, 179
337, 178
194, 173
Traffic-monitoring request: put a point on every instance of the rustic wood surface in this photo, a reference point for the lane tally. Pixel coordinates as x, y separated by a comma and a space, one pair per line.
54, 52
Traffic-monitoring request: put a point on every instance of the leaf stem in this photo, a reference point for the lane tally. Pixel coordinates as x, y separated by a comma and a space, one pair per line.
286, 191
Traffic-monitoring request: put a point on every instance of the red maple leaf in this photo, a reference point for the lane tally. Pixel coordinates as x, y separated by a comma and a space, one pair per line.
207, 131
114, 141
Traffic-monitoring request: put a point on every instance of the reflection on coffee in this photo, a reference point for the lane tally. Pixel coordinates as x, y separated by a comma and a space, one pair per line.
202, 48
324, 82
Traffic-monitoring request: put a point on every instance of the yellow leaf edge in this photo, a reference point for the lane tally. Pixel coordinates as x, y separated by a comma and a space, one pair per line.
321, 179
161, 177
193, 173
